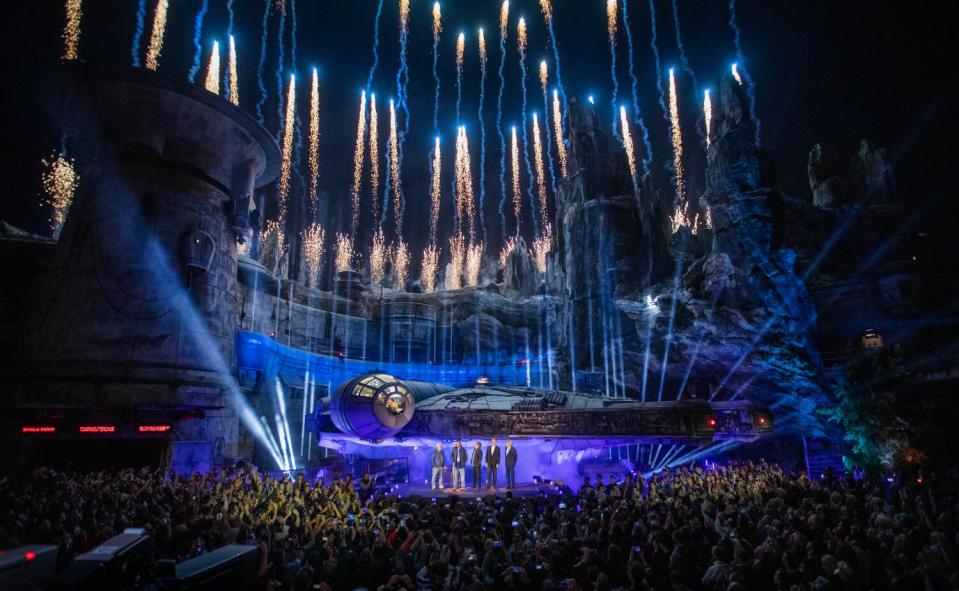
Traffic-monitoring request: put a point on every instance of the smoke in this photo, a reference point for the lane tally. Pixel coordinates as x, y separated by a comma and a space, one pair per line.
521, 40
402, 85
376, 44
679, 44
279, 59
138, 34
637, 112
750, 89
611, 30
503, 21
437, 29
262, 63
482, 126
659, 67
197, 46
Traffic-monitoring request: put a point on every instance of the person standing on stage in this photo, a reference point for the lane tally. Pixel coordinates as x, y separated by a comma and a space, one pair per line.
511, 457
458, 462
477, 464
439, 462
492, 463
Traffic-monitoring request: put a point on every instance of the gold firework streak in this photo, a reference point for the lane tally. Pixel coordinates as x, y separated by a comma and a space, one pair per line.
543, 76
287, 151
547, 7
314, 149
611, 20
358, 164
558, 133
231, 73
212, 83
627, 141
395, 171
152, 60
540, 171
374, 158
71, 30
435, 192
517, 194
504, 20
677, 138
708, 115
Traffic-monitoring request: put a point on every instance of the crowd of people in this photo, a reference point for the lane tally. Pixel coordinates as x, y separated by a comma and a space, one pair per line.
747, 526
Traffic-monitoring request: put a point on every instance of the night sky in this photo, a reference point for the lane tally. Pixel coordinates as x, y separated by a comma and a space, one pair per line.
825, 71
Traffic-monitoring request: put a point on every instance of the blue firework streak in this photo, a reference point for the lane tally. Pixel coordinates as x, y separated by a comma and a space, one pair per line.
637, 113
614, 99
526, 162
197, 46
262, 63
679, 45
502, 138
298, 146
549, 141
402, 85
281, 46
229, 35
138, 34
376, 45
482, 126
436, 86
750, 89
559, 70
659, 67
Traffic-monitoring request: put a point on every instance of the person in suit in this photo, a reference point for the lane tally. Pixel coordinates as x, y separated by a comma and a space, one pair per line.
439, 462
511, 457
458, 462
477, 464
493, 455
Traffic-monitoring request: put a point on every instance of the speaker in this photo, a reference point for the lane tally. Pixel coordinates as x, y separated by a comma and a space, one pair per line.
228, 567
119, 563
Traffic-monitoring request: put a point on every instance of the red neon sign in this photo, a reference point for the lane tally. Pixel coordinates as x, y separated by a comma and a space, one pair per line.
41, 429
153, 428
97, 429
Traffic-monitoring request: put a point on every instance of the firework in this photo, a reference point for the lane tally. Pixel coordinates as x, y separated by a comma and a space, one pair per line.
280, 42
272, 246
454, 278
503, 29
735, 71
313, 240
547, 9
395, 171
628, 141
428, 268
558, 134
637, 112
287, 151
232, 81
464, 183
708, 115
517, 194
378, 257
374, 157
482, 126
677, 138
541, 246
460, 52
71, 30
679, 45
262, 61
679, 218
521, 46
611, 26
60, 182
540, 170
437, 29
474, 263
197, 45
152, 60
508, 247
655, 47
358, 164
543, 75
436, 193
314, 154
376, 44
402, 84
137, 33
401, 265
212, 83
343, 253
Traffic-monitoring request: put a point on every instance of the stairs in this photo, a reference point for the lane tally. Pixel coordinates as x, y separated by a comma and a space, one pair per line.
821, 454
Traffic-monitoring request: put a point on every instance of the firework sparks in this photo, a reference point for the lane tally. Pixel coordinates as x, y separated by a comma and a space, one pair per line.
628, 141
343, 253
378, 257
543, 75
436, 193
232, 80
314, 153
313, 240
374, 157
677, 138
272, 245
558, 133
482, 126
474, 263
521, 35
708, 115
358, 164
395, 172
465, 196
287, 151
437, 29
504, 19
212, 83
508, 247
60, 181
454, 279
428, 268
460, 53
540, 170
152, 60
503, 22
735, 70
401, 265
611, 26
521, 44
71, 31
517, 194
541, 246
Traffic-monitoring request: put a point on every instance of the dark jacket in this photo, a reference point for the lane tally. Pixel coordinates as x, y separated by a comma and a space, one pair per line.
493, 456
477, 456
458, 457
511, 456
439, 460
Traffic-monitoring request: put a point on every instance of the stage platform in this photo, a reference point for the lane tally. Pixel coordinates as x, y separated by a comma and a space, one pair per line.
524, 489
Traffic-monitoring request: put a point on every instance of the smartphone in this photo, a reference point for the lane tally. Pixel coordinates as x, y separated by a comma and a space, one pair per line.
515, 524
562, 505
517, 569
637, 549
351, 517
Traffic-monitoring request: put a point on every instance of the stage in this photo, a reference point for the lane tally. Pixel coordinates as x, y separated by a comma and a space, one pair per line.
524, 489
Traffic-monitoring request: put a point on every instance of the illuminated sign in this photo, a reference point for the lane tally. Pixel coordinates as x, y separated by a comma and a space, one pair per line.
43, 429
153, 428
97, 429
